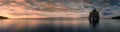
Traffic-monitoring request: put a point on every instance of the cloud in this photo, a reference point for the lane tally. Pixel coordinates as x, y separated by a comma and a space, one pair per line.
43, 8
111, 11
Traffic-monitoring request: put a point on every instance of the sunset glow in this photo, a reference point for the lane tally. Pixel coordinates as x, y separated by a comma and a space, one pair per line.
22, 9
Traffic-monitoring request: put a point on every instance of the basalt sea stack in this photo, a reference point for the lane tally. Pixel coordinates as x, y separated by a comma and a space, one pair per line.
94, 16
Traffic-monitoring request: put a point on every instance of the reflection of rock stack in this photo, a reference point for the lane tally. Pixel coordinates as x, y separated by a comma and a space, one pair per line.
94, 16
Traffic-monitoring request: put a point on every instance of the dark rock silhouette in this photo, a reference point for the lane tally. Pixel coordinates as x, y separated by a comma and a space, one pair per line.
94, 17
94, 20
118, 17
1, 17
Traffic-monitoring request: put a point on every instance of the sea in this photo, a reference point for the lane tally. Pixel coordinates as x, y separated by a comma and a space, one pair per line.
58, 25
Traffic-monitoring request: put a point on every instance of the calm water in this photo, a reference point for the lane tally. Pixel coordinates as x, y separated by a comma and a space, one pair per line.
58, 25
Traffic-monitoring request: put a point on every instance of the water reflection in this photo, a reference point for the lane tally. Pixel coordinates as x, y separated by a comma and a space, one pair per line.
57, 25
43, 25
94, 25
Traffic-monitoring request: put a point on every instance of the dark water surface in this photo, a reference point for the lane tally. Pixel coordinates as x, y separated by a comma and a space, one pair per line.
58, 25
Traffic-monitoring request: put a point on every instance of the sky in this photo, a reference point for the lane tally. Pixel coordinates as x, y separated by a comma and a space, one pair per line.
109, 8
51, 8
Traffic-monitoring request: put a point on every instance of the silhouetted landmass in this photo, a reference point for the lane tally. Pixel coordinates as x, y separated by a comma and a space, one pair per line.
118, 17
1, 17
94, 16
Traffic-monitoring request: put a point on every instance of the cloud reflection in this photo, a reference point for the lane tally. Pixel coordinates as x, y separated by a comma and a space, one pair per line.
19, 24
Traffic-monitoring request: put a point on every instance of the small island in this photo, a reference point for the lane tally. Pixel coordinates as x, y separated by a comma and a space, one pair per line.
2, 17
118, 17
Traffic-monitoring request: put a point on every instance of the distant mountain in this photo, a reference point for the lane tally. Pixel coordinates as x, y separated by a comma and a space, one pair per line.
117, 17
2, 17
